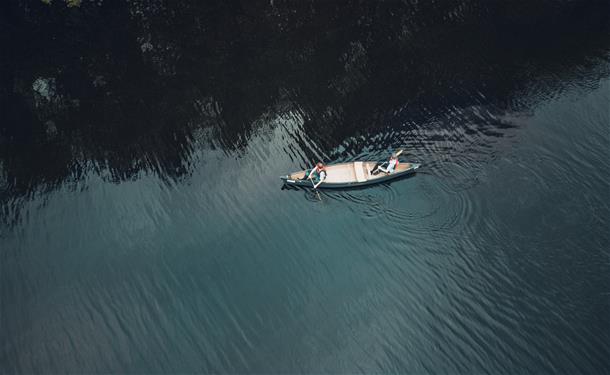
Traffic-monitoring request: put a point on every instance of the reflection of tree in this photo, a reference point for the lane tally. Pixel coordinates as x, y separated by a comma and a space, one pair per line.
69, 3
124, 86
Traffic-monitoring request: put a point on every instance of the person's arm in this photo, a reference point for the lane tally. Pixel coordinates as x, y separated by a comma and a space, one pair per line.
322, 178
311, 173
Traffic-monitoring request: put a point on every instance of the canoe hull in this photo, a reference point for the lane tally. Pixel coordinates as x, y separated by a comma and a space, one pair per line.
291, 181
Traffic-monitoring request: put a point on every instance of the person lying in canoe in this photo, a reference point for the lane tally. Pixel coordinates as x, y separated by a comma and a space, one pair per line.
317, 175
392, 163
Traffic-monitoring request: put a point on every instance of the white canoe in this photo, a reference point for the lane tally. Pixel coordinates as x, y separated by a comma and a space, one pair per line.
353, 174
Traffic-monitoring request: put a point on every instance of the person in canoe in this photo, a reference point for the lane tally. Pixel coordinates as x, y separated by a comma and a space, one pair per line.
317, 174
392, 163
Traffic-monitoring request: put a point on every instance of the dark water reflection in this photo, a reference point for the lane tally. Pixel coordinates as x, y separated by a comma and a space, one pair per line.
144, 227
113, 83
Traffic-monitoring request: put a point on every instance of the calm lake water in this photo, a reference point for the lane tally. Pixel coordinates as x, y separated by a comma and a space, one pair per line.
144, 227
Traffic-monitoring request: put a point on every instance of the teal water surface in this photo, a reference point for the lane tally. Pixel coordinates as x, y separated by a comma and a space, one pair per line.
144, 227
493, 260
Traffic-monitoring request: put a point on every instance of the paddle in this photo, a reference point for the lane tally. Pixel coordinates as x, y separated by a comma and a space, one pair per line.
312, 183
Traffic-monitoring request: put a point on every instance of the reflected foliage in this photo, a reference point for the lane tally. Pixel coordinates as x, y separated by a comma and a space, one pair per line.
131, 86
